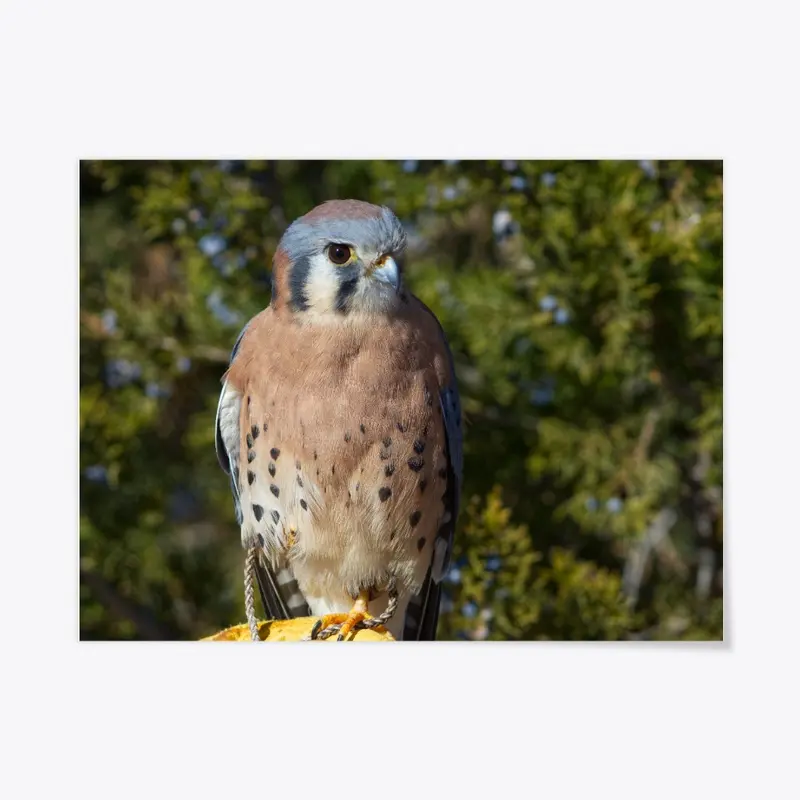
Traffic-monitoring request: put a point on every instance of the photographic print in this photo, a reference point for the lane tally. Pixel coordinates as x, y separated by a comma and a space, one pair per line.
401, 400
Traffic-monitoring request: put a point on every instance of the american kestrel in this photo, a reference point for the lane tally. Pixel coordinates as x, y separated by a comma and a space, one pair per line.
339, 423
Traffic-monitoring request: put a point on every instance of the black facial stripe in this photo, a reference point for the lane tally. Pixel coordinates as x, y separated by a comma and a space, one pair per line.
348, 282
298, 278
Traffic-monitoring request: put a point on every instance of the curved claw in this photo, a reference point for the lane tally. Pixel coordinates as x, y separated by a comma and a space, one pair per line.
347, 622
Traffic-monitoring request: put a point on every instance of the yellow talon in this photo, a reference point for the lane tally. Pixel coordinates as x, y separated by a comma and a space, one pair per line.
358, 613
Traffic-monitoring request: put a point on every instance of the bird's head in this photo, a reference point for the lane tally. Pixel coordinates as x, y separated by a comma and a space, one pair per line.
341, 258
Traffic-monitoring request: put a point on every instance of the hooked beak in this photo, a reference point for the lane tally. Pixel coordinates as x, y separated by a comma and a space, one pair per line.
386, 271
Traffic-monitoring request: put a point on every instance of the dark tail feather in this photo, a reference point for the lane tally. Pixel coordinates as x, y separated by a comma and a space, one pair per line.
274, 607
280, 594
422, 616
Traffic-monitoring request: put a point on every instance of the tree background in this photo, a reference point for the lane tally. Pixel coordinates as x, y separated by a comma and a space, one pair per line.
583, 305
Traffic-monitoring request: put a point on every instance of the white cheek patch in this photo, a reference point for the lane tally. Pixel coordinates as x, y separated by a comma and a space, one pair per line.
322, 285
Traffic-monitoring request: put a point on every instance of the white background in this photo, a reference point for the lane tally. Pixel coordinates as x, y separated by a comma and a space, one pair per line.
397, 80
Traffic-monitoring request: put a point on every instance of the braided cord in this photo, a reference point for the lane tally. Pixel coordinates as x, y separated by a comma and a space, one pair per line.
249, 593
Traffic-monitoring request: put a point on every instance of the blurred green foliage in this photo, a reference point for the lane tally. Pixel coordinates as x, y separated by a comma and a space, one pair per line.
583, 304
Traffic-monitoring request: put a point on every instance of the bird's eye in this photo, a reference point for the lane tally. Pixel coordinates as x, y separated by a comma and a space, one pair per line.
339, 254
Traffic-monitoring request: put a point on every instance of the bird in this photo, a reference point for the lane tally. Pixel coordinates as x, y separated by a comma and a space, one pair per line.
339, 425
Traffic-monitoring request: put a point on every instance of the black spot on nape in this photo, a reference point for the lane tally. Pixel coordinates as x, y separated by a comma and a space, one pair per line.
384, 493
275, 517
274, 489
384, 454
414, 518
251, 476
392, 535
402, 427
422, 484
248, 402
249, 440
333, 469
255, 431
273, 289
443, 472
388, 470
265, 427
299, 481
362, 429
416, 464
347, 287
275, 453
297, 464
298, 283
304, 505
419, 445
251, 456
347, 436
315, 455
420, 543
258, 512
387, 442
271, 468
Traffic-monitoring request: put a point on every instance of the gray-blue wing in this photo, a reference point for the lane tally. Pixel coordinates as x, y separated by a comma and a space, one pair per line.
422, 617
226, 439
